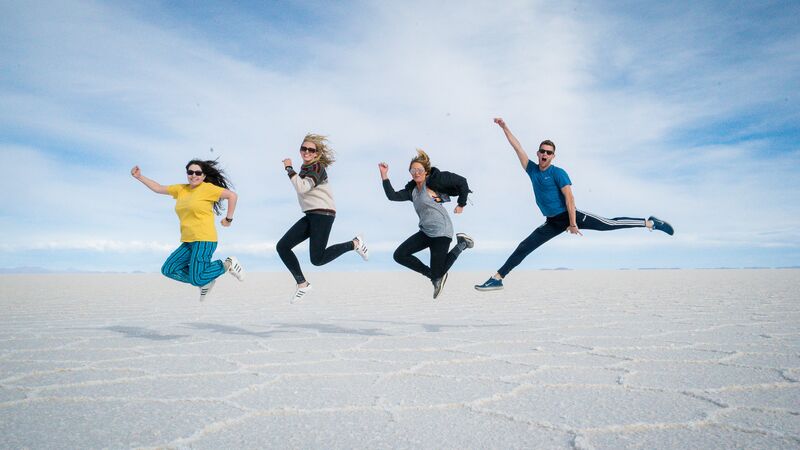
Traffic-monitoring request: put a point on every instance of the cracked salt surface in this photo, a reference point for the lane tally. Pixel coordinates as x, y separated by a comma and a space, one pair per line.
572, 360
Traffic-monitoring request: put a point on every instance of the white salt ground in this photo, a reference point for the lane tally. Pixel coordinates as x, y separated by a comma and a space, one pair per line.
684, 359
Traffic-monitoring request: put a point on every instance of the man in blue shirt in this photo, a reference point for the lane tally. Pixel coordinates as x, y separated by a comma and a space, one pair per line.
553, 191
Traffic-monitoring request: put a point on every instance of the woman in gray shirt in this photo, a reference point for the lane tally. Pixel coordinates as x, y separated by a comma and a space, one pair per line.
427, 190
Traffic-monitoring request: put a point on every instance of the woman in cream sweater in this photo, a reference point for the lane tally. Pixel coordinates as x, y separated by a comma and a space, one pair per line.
316, 201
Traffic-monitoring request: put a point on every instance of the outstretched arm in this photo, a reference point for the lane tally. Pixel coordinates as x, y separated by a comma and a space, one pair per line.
155, 187
523, 157
570, 200
391, 194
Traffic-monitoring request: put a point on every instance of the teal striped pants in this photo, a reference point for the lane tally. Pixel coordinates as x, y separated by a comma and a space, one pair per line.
191, 263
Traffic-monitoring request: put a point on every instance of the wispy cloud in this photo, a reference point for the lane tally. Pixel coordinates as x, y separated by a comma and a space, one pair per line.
657, 109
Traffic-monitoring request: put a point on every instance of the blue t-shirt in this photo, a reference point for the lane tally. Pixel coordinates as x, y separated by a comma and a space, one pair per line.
547, 186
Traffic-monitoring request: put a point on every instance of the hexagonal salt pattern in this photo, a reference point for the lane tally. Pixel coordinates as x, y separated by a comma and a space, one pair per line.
558, 360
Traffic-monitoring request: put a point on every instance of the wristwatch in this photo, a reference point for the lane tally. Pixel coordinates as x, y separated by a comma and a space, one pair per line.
289, 168
229, 219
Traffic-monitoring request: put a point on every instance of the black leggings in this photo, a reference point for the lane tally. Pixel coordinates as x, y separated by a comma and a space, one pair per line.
556, 225
316, 228
441, 260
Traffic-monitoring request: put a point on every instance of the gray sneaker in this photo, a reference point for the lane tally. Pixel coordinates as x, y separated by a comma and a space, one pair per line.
438, 285
462, 237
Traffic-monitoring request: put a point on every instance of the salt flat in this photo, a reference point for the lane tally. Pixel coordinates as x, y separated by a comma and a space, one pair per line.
560, 359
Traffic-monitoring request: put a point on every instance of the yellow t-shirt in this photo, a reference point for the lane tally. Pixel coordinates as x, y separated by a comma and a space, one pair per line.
195, 210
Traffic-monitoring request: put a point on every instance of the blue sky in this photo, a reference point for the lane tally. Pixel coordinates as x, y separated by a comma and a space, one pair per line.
684, 110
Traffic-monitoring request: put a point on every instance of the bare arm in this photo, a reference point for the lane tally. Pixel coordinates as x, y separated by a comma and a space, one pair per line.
570, 199
231, 197
155, 187
523, 157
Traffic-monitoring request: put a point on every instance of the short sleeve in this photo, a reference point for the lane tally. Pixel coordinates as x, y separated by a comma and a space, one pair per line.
174, 189
562, 179
530, 166
212, 192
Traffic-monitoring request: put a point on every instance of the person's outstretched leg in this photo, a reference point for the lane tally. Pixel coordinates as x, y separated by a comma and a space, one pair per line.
320, 231
552, 227
589, 221
404, 253
201, 269
177, 264
544, 233
296, 234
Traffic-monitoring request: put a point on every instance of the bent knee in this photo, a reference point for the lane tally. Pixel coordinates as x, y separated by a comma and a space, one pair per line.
283, 247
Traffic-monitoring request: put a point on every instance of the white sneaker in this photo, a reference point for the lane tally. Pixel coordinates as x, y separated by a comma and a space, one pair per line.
204, 290
300, 293
235, 268
362, 249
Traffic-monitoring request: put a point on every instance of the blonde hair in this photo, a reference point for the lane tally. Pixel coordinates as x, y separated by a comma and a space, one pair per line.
423, 159
324, 152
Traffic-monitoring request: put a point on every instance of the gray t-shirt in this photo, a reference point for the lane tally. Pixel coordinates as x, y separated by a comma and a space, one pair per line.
433, 218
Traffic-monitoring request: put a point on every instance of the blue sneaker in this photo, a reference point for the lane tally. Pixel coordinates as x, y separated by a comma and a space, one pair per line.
490, 285
661, 225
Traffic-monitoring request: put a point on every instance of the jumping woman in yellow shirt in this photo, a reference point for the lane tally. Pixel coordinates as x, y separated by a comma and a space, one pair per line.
196, 203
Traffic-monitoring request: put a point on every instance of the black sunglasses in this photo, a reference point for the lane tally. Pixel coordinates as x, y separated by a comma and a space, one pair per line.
194, 172
546, 152
308, 149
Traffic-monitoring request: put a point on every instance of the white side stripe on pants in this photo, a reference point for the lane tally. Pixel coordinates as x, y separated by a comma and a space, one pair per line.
634, 222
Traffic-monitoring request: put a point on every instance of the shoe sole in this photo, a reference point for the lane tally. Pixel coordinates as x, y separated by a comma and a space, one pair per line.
498, 288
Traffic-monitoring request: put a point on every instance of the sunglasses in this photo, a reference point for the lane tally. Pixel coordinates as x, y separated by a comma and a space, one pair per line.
416, 171
307, 149
194, 172
546, 152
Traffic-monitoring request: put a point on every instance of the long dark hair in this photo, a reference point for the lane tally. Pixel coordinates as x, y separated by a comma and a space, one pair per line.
214, 175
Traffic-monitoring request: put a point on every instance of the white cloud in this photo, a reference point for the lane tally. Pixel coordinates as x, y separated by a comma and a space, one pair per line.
100, 90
